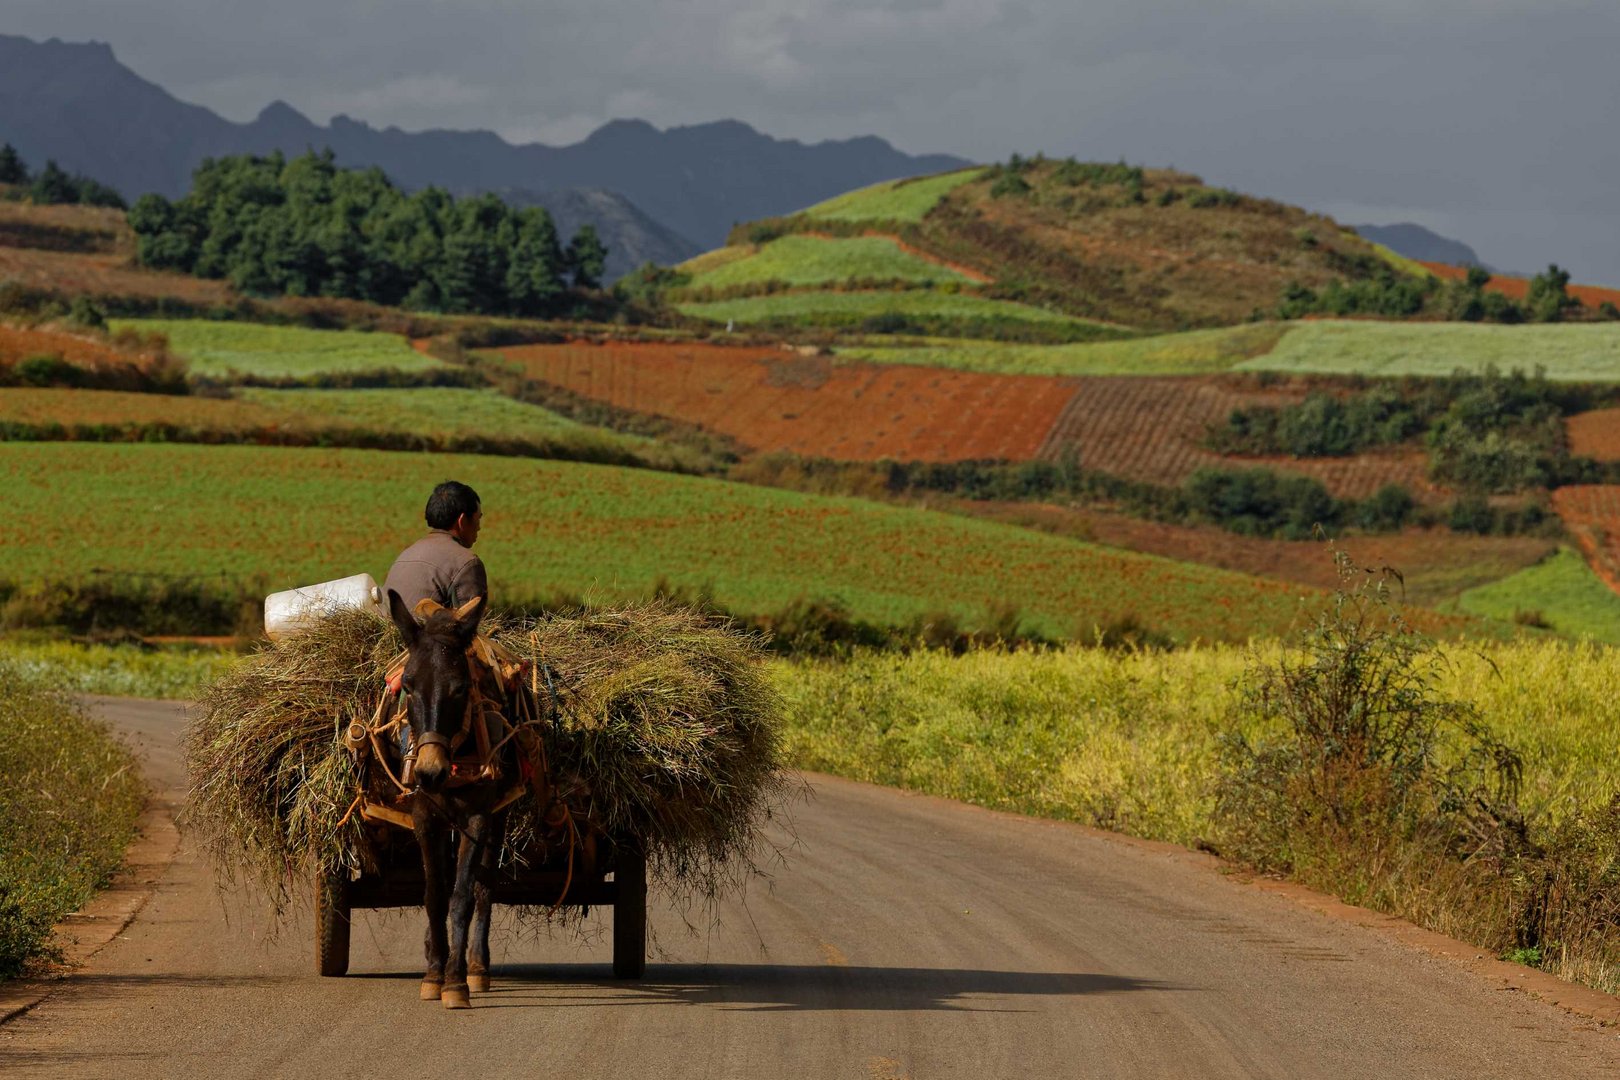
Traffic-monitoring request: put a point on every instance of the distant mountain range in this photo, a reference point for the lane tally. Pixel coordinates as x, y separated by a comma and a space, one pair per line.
1424, 245
667, 193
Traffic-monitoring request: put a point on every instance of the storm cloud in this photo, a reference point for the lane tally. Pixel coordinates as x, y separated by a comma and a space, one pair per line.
1486, 120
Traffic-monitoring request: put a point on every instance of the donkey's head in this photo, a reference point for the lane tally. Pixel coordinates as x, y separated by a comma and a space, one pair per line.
437, 679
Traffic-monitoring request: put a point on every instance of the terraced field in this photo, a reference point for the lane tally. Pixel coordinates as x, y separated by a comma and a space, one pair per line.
822, 260
906, 200
1595, 434
851, 310
104, 274
1561, 592
768, 399
1148, 429
1435, 565
224, 349
19, 343
1591, 513
1575, 352
1193, 352
297, 516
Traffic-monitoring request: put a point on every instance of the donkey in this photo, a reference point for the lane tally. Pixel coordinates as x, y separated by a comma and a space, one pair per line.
438, 681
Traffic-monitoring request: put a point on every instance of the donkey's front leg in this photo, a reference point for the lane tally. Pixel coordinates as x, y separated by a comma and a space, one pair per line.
489, 857
430, 837
461, 909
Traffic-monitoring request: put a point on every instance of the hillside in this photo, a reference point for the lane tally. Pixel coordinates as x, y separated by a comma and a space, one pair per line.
77, 104
1110, 244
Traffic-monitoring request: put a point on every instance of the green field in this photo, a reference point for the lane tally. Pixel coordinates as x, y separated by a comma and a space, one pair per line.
815, 260
1195, 352
1574, 352
851, 308
430, 410
221, 349
1562, 589
893, 200
298, 516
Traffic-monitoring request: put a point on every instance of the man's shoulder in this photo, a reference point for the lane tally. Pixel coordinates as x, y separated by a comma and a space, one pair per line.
440, 548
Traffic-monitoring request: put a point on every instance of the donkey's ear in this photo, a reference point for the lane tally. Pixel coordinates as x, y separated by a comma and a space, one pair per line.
409, 628
467, 616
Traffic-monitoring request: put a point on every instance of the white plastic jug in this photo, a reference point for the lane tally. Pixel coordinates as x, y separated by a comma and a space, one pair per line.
290, 612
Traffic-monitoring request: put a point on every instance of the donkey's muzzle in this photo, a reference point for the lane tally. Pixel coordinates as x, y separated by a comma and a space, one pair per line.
432, 764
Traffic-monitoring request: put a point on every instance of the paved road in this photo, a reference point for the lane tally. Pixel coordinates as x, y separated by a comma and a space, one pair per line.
910, 937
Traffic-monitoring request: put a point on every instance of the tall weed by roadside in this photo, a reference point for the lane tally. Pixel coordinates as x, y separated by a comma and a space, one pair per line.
67, 810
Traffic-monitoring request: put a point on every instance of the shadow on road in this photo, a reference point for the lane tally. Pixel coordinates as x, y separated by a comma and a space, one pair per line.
766, 987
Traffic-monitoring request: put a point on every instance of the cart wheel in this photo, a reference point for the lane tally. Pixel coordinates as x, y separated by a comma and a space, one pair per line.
630, 912
332, 924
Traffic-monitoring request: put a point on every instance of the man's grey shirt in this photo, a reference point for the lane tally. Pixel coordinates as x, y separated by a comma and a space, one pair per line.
439, 566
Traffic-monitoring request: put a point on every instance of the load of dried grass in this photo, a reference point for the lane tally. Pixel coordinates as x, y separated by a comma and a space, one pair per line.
666, 715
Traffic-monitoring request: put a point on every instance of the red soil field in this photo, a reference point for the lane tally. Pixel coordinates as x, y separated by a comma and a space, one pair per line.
20, 344
1148, 429
1436, 565
1591, 513
1595, 434
1517, 288
103, 275
771, 400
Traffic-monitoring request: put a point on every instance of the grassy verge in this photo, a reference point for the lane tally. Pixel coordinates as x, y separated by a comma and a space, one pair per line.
67, 811
173, 672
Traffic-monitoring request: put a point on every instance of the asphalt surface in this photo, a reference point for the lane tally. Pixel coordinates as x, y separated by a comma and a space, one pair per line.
907, 937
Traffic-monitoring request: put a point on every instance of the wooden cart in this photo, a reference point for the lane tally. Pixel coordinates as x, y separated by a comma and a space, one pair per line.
620, 882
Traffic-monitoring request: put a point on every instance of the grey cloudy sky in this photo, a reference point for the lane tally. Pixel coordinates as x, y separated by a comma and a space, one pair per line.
1488, 120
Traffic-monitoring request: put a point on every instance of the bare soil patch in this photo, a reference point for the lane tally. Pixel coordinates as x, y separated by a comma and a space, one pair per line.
1591, 513
1595, 434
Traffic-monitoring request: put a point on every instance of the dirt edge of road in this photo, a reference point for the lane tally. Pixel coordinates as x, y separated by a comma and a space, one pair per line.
86, 932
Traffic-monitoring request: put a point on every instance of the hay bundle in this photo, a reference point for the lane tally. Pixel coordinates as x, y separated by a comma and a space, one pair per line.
666, 718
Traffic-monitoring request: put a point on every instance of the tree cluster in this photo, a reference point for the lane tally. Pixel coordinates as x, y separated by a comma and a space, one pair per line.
53, 185
304, 227
1385, 293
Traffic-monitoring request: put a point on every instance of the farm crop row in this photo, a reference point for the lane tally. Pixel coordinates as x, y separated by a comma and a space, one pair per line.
1572, 352
224, 349
298, 516
1191, 352
856, 309
893, 200
771, 400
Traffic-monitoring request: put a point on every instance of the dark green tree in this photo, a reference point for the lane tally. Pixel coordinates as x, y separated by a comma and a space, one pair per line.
53, 186
587, 256
1548, 298
12, 168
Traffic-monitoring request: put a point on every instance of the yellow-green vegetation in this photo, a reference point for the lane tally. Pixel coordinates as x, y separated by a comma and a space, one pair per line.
1573, 352
1398, 262
893, 200
855, 309
172, 671
1129, 741
1172, 746
821, 260
1561, 593
67, 811
224, 349
430, 410
1193, 352
298, 516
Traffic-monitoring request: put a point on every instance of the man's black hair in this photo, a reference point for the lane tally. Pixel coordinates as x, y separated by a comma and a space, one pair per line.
448, 502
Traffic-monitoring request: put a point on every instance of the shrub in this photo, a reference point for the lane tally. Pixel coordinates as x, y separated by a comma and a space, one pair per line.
1009, 185
1364, 775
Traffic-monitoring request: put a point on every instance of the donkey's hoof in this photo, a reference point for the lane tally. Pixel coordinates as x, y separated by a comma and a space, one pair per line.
455, 997
431, 989
478, 984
